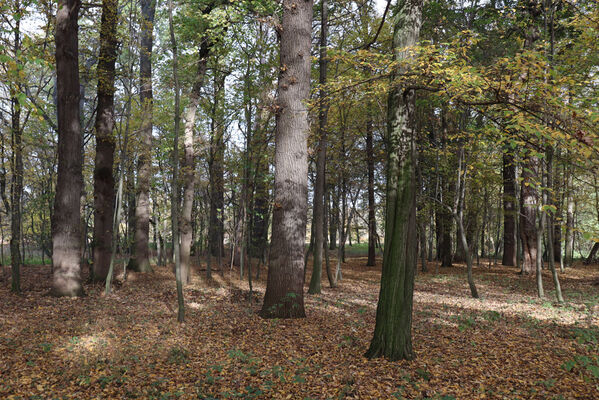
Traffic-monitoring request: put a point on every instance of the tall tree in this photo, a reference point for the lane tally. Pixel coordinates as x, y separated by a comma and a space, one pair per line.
318, 209
188, 167
393, 330
216, 165
17, 159
284, 297
66, 238
140, 259
104, 196
175, 178
371, 202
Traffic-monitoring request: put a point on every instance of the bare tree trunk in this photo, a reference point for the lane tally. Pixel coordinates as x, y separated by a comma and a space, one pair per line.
330, 277
66, 238
569, 247
175, 181
188, 167
140, 260
371, 201
104, 198
509, 209
216, 228
318, 216
528, 214
334, 217
550, 249
16, 188
393, 330
284, 297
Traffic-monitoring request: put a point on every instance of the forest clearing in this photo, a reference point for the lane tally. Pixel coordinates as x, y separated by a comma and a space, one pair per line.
509, 344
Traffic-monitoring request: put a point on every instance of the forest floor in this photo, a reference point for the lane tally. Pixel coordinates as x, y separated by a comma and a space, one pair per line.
508, 345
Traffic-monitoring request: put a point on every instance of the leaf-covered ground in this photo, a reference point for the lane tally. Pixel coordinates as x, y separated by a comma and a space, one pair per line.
509, 345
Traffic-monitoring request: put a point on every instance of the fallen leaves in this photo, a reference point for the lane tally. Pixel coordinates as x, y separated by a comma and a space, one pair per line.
129, 345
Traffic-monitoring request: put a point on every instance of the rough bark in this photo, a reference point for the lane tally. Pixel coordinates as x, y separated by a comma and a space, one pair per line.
66, 238
284, 297
509, 210
217, 149
104, 195
140, 259
17, 170
392, 333
318, 209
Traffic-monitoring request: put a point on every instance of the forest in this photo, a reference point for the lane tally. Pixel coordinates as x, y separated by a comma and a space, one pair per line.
299, 199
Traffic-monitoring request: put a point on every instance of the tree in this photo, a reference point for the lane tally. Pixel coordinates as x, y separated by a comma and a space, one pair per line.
284, 297
140, 259
318, 209
392, 336
509, 210
66, 237
175, 178
104, 196
17, 160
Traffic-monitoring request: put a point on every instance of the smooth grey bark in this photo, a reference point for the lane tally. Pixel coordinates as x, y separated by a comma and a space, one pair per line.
66, 226
188, 167
458, 215
318, 209
549, 199
393, 330
104, 196
175, 178
284, 297
140, 259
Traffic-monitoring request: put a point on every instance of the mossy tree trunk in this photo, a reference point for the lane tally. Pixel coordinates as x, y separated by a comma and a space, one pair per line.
393, 331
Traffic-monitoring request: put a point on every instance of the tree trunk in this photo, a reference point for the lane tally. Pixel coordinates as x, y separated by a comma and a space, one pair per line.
217, 150
175, 178
509, 210
17, 168
592, 254
284, 297
318, 209
104, 196
528, 214
569, 247
334, 218
66, 238
393, 330
188, 167
371, 202
140, 259
444, 219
